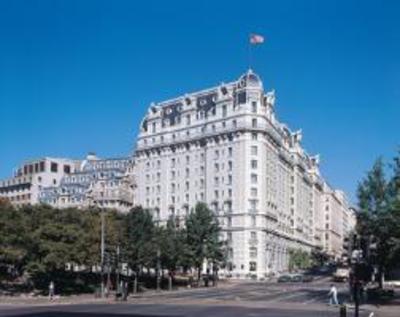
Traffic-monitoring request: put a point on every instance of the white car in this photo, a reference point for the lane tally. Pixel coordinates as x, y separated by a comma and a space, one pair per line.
341, 275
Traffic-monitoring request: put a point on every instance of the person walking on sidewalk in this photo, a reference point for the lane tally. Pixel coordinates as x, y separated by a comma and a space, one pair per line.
333, 295
51, 290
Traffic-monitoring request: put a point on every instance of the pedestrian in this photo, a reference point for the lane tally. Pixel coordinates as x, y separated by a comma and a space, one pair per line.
51, 290
333, 295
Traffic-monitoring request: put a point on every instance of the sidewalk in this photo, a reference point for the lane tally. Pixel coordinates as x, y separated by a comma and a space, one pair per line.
58, 300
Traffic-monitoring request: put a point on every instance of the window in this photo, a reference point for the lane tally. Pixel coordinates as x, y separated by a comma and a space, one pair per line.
253, 252
224, 112
36, 167
216, 181
253, 221
187, 173
234, 123
229, 179
223, 124
253, 192
254, 164
254, 150
187, 159
230, 151
242, 98
31, 169
67, 169
253, 266
54, 167
230, 165
253, 235
153, 127
216, 166
187, 186
216, 154
254, 123
254, 136
188, 119
254, 106
253, 203
253, 178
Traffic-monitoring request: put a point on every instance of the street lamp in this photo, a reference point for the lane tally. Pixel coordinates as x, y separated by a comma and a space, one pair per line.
102, 249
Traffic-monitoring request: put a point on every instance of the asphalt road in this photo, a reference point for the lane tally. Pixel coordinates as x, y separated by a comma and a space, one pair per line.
305, 293
139, 310
250, 299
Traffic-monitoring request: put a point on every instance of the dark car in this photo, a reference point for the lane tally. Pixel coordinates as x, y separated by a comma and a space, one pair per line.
295, 278
284, 278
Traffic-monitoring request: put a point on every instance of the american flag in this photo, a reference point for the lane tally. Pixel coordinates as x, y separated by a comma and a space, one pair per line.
256, 39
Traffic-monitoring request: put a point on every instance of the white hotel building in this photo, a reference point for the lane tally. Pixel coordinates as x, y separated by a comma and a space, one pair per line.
222, 146
225, 147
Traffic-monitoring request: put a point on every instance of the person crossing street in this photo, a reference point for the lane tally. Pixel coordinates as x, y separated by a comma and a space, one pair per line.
333, 295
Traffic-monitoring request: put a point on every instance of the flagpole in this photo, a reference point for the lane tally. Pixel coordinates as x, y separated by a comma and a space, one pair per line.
249, 51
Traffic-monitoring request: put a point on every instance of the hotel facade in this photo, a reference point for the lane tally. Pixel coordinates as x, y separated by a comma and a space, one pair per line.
224, 146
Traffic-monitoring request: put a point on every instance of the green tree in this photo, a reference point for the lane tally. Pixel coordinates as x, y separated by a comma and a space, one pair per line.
140, 244
203, 237
174, 249
299, 259
14, 238
378, 218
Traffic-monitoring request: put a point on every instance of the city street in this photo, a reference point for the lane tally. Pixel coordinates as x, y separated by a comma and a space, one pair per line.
232, 299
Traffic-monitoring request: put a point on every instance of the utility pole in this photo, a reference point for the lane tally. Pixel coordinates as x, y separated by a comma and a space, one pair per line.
102, 247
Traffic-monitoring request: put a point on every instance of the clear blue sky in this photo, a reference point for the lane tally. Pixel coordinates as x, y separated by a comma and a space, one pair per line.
77, 76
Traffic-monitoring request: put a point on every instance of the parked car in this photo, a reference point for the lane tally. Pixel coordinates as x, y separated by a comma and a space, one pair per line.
284, 278
295, 278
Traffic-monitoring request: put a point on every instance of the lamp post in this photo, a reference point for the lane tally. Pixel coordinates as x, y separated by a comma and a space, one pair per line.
102, 248
158, 269
356, 259
117, 268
